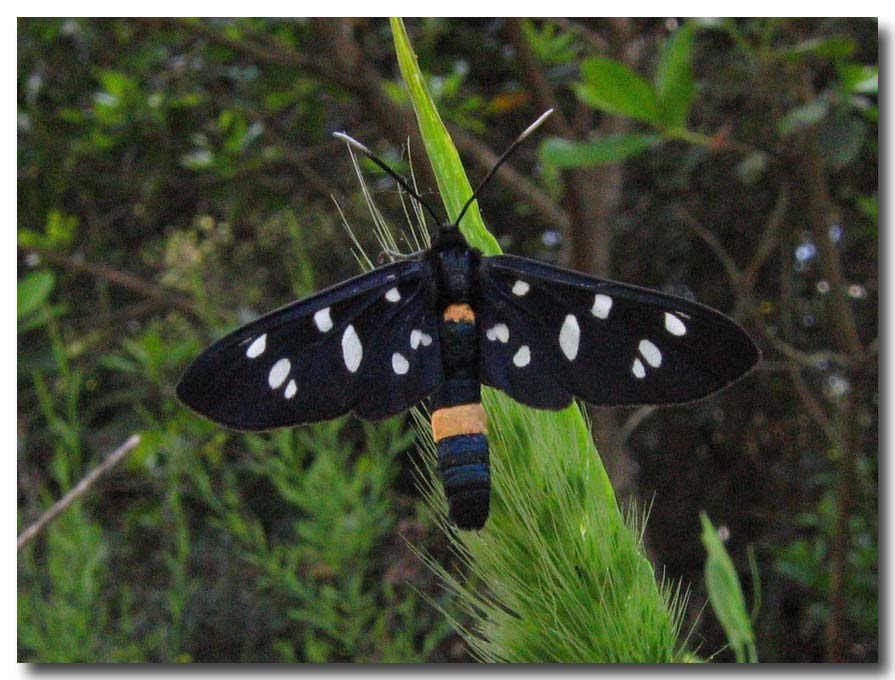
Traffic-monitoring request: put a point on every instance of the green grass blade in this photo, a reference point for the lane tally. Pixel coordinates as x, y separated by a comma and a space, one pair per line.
452, 182
726, 594
561, 576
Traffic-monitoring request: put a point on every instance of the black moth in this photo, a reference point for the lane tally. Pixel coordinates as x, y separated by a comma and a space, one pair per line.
443, 322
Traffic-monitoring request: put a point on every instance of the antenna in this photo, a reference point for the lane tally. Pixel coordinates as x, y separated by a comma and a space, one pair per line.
378, 161
506, 154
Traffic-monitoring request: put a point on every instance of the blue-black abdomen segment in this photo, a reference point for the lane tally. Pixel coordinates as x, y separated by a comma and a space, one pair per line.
464, 471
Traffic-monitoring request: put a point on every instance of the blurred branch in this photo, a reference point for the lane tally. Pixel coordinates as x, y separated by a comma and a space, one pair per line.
819, 212
815, 410
513, 180
534, 75
77, 491
715, 245
770, 239
597, 42
633, 421
119, 278
741, 284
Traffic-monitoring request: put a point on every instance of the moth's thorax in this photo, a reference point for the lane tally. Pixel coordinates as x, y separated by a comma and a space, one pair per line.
456, 275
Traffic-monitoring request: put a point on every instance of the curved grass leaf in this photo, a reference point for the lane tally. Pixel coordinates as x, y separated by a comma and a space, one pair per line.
726, 594
452, 182
557, 574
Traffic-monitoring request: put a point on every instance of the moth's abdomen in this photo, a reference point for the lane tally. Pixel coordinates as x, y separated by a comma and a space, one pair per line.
458, 421
460, 435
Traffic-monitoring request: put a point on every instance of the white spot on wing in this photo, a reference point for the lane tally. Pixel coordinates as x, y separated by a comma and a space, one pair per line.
417, 338
651, 353
498, 332
522, 357
291, 389
637, 369
674, 325
520, 288
400, 365
352, 350
278, 373
256, 349
569, 337
602, 305
323, 320
393, 295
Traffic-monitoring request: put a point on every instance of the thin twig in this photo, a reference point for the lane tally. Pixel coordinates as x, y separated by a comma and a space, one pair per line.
79, 490
727, 261
634, 421
539, 200
812, 405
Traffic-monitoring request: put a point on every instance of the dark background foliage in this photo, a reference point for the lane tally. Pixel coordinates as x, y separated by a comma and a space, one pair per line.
175, 179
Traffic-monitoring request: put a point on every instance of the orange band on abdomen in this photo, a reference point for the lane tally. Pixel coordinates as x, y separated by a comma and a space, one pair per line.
459, 312
454, 420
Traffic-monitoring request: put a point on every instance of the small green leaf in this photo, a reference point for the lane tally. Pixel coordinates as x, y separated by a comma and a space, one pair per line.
33, 291
841, 138
726, 594
831, 48
614, 88
117, 83
564, 153
802, 117
752, 167
674, 77
859, 78
550, 44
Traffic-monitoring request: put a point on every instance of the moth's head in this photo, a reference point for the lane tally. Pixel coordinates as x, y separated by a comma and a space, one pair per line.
448, 236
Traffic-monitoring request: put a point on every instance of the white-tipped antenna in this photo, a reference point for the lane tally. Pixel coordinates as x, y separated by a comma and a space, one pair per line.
534, 126
506, 154
351, 141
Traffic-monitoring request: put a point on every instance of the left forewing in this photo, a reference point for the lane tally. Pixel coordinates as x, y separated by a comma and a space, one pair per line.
369, 345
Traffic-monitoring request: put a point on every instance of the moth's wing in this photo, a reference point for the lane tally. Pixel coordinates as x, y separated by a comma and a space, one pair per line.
323, 356
604, 342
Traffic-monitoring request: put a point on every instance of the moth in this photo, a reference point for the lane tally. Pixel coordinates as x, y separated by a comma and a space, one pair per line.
441, 323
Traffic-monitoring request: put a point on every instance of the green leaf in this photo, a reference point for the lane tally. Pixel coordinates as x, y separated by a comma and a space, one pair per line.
551, 45
117, 83
33, 290
726, 594
803, 116
674, 77
830, 48
841, 138
614, 88
564, 153
858, 78
752, 167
